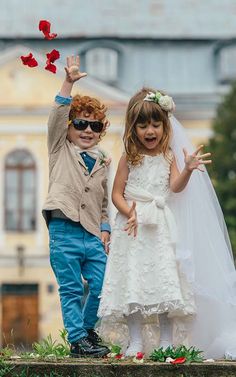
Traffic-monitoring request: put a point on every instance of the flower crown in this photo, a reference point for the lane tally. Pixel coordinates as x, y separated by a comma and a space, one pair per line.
165, 102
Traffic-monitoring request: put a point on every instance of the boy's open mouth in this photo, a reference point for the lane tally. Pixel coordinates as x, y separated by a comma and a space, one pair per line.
86, 137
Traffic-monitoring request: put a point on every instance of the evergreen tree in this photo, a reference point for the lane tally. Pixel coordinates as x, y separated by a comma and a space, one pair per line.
222, 145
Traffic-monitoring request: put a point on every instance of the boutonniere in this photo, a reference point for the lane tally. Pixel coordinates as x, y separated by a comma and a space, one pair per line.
104, 160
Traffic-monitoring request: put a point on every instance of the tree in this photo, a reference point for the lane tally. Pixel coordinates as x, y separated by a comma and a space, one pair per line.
222, 145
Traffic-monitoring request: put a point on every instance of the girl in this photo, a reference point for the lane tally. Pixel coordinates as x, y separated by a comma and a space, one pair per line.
171, 268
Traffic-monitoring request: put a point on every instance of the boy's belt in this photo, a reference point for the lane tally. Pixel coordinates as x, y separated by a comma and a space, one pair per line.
58, 214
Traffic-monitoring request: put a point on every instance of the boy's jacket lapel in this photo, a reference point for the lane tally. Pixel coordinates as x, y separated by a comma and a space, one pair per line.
98, 165
80, 159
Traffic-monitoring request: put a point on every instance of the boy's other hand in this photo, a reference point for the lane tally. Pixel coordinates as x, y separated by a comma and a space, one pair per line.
73, 69
105, 238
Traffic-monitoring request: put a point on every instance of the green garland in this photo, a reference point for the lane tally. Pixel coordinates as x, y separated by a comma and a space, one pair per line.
191, 354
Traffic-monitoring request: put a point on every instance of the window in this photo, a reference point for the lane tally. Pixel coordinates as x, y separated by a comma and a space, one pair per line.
227, 68
102, 63
20, 191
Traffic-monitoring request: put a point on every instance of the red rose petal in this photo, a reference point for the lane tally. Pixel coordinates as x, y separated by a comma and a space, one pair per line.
52, 56
50, 36
45, 27
119, 356
179, 360
26, 58
29, 60
51, 67
32, 63
139, 355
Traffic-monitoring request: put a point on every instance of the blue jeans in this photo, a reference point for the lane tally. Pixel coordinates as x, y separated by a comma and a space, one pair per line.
74, 253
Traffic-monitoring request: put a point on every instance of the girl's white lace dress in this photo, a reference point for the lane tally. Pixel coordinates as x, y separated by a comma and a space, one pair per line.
142, 273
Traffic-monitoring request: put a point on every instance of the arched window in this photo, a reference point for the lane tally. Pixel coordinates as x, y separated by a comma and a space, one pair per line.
20, 191
102, 63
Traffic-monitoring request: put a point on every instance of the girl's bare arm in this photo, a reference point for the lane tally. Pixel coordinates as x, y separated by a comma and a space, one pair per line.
119, 200
119, 187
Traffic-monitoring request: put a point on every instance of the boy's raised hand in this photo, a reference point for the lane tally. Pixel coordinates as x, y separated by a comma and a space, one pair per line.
73, 69
194, 161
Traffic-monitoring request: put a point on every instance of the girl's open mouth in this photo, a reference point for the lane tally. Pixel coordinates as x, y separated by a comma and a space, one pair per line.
150, 139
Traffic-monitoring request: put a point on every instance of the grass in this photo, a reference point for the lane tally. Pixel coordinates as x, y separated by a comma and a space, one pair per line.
44, 349
51, 348
6, 352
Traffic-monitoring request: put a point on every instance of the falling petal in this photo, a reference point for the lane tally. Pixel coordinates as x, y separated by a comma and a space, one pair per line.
29, 60
45, 27
51, 67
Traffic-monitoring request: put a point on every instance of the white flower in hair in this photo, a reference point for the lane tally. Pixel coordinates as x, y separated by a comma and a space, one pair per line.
166, 102
150, 97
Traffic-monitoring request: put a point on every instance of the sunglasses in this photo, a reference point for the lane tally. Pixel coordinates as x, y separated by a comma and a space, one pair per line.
82, 124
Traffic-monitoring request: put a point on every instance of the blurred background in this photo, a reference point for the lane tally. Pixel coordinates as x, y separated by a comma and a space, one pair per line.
186, 48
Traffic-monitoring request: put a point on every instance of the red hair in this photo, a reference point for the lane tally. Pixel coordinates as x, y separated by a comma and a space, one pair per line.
88, 106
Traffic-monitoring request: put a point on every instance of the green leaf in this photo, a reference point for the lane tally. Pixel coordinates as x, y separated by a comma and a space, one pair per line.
115, 349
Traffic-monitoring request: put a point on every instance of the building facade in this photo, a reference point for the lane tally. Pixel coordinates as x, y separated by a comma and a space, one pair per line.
186, 48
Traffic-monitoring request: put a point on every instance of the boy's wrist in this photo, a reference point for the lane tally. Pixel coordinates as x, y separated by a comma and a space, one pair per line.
69, 81
63, 100
105, 227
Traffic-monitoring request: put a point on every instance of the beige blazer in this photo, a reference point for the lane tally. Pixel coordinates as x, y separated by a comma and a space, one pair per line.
79, 195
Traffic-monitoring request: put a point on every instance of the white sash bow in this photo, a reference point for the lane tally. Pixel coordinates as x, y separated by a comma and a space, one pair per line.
153, 204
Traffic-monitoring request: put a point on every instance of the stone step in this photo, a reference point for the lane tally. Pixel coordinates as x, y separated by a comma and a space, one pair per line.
93, 368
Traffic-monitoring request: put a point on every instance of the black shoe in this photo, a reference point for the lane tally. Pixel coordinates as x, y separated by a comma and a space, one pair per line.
93, 337
85, 348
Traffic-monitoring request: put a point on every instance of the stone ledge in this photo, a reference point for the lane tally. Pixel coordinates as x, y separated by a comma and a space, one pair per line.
82, 368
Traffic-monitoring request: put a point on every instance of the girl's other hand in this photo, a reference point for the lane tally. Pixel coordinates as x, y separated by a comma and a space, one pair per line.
194, 160
132, 223
73, 69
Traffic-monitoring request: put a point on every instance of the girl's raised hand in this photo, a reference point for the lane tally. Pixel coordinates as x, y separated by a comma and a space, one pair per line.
132, 223
195, 160
72, 70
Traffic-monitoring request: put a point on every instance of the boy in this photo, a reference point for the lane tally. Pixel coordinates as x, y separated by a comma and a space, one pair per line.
76, 209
